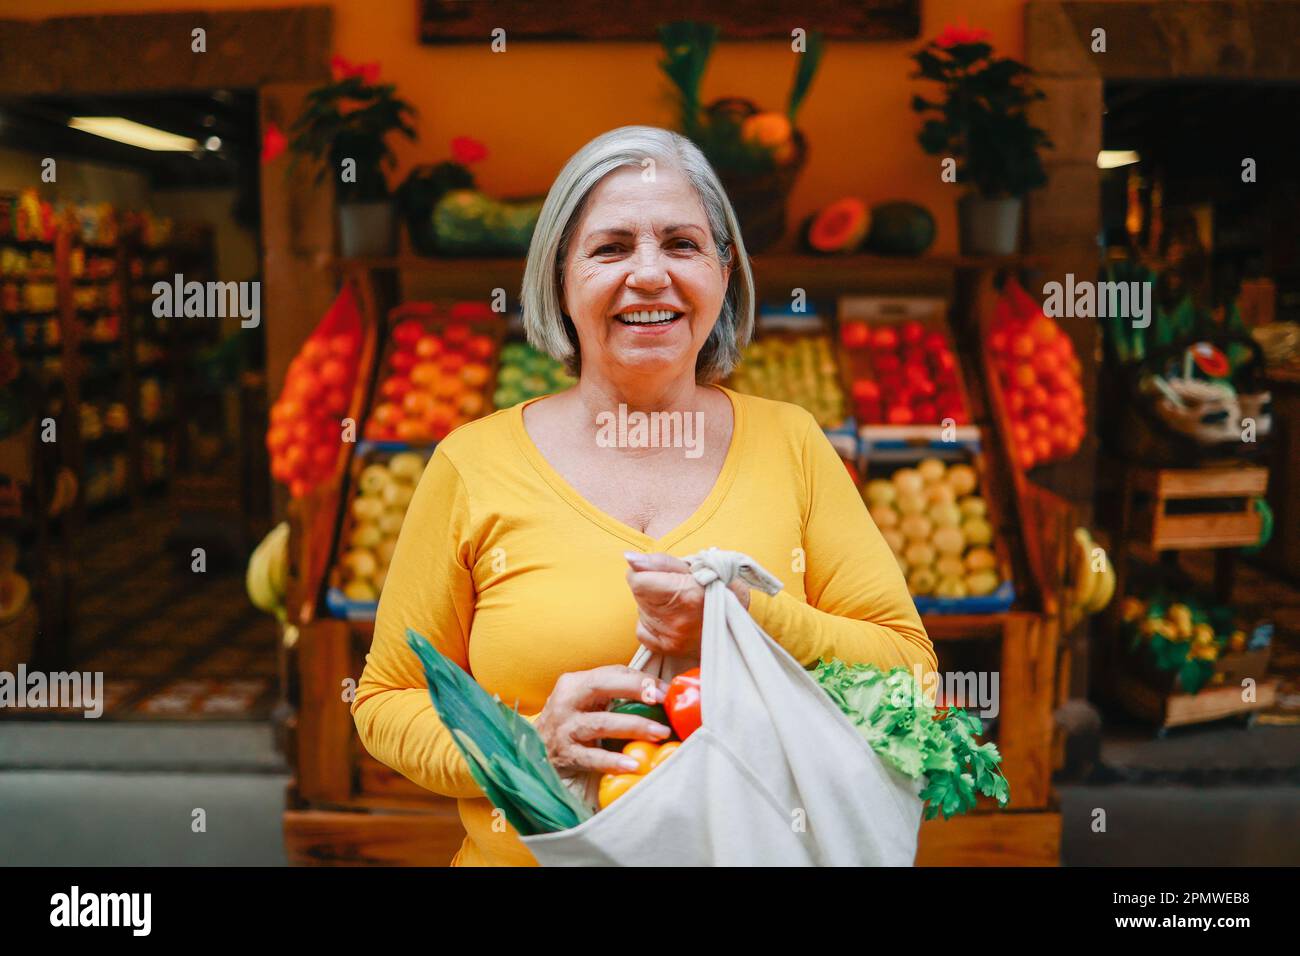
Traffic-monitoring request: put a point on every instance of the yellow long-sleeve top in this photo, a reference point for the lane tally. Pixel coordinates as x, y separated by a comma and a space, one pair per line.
518, 579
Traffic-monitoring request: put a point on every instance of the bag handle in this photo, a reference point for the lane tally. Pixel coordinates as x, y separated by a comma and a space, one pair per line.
720, 656
714, 569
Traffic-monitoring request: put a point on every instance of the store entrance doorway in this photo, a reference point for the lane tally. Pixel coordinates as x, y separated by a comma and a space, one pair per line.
153, 560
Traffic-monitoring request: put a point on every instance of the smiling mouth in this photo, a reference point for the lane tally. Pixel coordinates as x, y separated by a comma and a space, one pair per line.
649, 317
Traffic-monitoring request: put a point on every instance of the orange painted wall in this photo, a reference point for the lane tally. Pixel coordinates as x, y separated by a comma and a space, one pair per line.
538, 102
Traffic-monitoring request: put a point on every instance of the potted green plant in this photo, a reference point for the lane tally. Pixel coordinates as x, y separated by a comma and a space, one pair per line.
345, 126
757, 154
982, 123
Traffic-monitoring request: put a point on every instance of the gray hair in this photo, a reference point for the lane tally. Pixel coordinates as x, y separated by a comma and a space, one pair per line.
549, 329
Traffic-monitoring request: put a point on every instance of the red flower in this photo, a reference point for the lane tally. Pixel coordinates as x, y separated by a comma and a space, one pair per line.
274, 142
342, 69
466, 150
956, 34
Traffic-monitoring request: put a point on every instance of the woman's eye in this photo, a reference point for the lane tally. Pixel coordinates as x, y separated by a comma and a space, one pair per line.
684, 244
606, 250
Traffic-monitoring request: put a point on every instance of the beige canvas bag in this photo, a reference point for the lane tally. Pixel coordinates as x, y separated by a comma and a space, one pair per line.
775, 776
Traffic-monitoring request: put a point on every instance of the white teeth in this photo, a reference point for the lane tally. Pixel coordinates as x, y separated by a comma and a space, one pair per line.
647, 317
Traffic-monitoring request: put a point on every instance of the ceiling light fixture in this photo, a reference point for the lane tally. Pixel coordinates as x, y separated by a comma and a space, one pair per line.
127, 131
1114, 158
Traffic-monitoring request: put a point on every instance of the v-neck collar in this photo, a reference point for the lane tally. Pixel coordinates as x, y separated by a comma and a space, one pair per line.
611, 524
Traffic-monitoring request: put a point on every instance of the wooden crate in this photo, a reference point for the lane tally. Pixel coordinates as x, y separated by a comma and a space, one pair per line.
362, 838
998, 838
1211, 507
1166, 709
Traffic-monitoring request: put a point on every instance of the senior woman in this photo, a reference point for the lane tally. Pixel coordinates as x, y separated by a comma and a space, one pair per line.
539, 549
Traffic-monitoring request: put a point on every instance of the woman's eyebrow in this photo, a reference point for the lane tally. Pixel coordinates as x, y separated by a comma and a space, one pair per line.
622, 232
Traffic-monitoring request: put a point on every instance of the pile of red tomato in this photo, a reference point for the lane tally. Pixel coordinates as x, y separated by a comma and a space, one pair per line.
436, 375
1039, 374
915, 374
306, 430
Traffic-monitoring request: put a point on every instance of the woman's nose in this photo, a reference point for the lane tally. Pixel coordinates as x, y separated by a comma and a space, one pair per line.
648, 272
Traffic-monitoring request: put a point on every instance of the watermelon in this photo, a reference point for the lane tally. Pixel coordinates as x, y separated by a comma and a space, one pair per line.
468, 223
900, 229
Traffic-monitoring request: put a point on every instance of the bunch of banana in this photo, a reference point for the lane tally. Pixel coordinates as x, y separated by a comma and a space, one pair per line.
267, 570
1094, 576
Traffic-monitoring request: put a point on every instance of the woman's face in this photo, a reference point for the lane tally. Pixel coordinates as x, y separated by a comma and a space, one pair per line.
642, 280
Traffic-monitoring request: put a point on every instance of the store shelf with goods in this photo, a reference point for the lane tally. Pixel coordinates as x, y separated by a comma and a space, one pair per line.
1020, 637
1174, 654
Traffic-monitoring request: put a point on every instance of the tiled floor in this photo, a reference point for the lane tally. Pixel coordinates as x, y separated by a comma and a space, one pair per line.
170, 642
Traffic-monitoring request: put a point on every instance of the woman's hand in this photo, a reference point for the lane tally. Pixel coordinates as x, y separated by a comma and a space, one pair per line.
574, 720
670, 603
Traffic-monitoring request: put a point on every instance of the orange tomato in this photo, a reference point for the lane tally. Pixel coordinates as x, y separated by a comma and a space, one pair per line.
412, 430
1023, 375
428, 346
406, 334
334, 372
277, 436
1022, 346
323, 457
386, 413
336, 401
643, 752
395, 387
417, 404
472, 404
1042, 447
342, 345
305, 388
448, 387
426, 373
1046, 363
1038, 423
614, 785
476, 374
665, 751
480, 347
451, 362
303, 431
313, 351
1043, 329
295, 457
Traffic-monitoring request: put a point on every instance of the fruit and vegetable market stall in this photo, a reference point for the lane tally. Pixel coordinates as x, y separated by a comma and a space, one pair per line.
984, 550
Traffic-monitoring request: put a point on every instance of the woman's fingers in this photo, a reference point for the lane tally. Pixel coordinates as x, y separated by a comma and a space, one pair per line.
657, 561
600, 685
597, 725
597, 759
654, 641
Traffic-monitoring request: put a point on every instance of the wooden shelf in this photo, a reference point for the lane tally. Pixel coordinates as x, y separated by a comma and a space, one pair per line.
963, 627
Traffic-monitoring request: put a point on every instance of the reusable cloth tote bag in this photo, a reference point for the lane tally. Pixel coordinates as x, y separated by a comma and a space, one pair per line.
775, 775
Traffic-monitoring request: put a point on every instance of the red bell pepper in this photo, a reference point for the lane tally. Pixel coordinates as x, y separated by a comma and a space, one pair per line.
682, 702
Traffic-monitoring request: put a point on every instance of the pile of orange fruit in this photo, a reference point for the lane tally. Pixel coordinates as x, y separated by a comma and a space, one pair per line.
1039, 374
437, 376
307, 420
